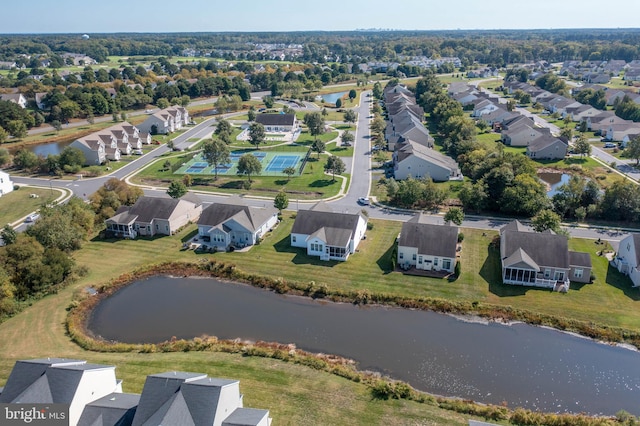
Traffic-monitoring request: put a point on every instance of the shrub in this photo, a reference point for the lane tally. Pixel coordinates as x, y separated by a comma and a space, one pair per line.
460, 237
457, 269
369, 226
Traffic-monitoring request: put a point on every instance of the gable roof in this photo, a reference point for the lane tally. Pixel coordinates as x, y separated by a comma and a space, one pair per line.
276, 119
579, 259
246, 417
545, 249
330, 226
410, 147
113, 409
429, 239
251, 218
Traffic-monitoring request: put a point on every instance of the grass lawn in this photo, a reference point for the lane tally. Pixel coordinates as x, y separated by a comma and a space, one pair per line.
294, 394
332, 115
17, 204
312, 184
340, 151
305, 137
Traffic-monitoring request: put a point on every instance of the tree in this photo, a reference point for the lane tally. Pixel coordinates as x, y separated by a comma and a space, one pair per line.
110, 196
268, 101
249, 165
251, 115
281, 201
511, 105
632, 150
216, 152
347, 137
176, 189
256, 134
335, 166
5, 156
352, 94
8, 234
17, 129
318, 146
315, 123
289, 171
350, 116
56, 124
582, 145
187, 180
567, 133
162, 103
3, 135
455, 215
377, 91
71, 159
546, 219
338, 103
25, 159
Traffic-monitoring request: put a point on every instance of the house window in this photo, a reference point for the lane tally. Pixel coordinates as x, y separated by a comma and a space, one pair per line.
558, 276
401, 256
420, 260
578, 273
446, 264
414, 257
293, 238
435, 261
547, 273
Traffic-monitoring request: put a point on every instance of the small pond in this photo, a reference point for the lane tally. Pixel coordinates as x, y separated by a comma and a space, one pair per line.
44, 149
333, 97
554, 180
523, 365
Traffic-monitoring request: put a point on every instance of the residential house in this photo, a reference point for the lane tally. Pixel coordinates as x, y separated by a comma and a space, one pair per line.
93, 149
627, 258
39, 98
484, 106
520, 131
467, 97
427, 246
165, 121
540, 259
406, 125
499, 115
6, 186
234, 223
632, 74
180, 398
458, 87
16, 98
328, 234
615, 66
600, 123
596, 77
619, 131
581, 112
7, 65
60, 381
95, 397
413, 159
151, 216
274, 123
547, 147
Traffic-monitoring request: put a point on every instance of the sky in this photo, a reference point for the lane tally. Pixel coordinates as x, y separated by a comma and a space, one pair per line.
91, 16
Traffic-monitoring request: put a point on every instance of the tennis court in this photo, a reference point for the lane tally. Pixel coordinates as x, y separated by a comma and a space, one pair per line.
281, 162
273, 163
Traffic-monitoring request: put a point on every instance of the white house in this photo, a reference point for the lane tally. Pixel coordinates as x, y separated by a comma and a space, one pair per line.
627, 258
277, 122
62, 381
426, 246
327, 234
165, 121
16, 98
6, 185
233, 223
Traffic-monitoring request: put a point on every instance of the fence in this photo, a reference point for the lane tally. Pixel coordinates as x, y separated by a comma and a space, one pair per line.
183, 159
304, 162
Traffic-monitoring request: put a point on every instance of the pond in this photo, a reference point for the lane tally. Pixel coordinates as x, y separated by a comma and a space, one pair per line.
525, 366
333, 97
44, 149
554, 180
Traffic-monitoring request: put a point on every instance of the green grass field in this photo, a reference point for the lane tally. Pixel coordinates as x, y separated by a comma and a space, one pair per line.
17, 204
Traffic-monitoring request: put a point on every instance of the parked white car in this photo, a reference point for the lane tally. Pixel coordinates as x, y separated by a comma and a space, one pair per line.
364, 201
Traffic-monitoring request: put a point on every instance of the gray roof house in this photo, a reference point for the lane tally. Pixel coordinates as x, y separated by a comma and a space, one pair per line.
540, 259
165, 121
427, 247
96, 399
153, 215
58, 380
277, 122
413, 159
179, 398
547, 147
328, 234
234, 223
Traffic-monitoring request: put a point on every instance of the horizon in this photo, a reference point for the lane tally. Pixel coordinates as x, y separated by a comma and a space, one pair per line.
201, 16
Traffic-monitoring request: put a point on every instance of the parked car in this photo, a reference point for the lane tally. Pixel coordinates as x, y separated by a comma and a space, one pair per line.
610, 145
32, 218
364, 201
137, 152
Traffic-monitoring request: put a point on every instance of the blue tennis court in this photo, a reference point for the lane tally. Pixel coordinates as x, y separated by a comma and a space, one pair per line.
194, 170
281, 162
